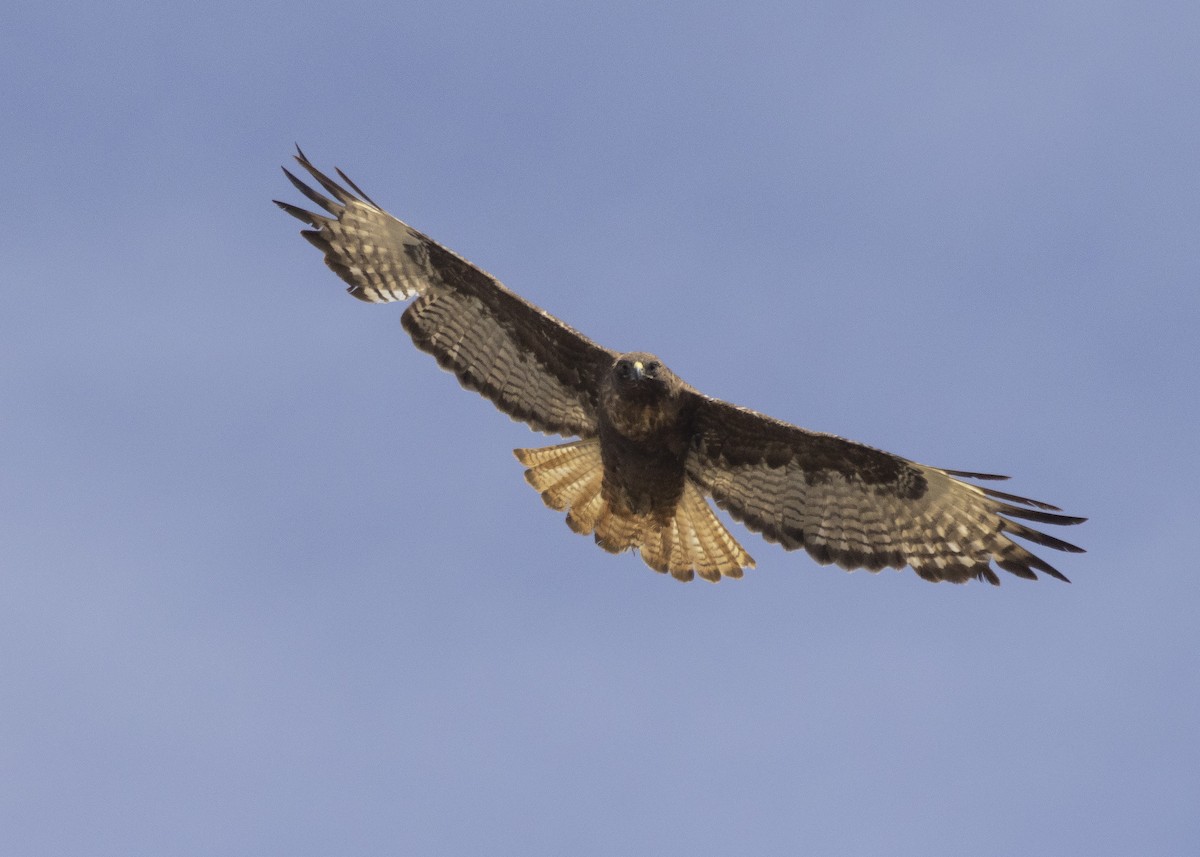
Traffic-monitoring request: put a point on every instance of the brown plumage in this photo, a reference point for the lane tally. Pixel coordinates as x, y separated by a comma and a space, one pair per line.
651, 447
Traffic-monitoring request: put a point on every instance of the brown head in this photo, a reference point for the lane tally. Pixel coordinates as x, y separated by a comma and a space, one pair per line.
641, 396
641, 376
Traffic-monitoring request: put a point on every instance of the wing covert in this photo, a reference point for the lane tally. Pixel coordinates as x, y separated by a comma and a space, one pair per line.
529, 364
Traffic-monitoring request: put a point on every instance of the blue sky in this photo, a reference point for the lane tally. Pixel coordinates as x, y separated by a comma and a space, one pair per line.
274, 585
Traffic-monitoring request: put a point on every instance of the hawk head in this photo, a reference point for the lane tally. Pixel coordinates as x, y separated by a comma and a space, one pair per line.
642, 376
640, 396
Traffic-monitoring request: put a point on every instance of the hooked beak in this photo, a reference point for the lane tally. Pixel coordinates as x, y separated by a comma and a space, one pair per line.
639, 370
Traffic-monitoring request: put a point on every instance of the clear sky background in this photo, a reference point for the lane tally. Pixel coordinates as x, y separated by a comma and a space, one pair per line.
273, 584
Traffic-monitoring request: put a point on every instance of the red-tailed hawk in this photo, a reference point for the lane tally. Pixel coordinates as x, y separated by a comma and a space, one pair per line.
651, 448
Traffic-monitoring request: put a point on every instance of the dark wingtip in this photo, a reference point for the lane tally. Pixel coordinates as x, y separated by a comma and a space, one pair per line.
970, 474
343, 196
1043, 566
1039, 516
314, 237
989, 576
354, 187
313, 197
1038, 537
1016, 498
299, 213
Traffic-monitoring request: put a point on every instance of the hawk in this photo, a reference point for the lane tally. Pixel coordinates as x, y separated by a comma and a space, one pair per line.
650, 449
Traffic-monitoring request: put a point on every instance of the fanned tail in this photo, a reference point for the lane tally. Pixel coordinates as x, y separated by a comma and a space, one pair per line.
684, 543
693, 541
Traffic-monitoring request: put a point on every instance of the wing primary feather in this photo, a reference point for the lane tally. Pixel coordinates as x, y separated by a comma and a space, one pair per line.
988, 575
1025, 561
355, 187
321, 200
319, 241
1040, 517
339, 193
1040, 538
1013, 498
301, 214
1014, 567
1054, 572
967, 474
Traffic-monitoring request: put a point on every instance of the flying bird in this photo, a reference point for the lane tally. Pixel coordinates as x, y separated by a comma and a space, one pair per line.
650, 449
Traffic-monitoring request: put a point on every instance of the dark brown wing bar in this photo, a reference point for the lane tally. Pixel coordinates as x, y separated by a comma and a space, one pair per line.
860, 507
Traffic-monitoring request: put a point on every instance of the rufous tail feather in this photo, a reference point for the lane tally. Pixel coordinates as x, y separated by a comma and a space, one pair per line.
688, 542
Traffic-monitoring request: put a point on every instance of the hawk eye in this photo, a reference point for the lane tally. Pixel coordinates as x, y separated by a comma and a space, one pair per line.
652, 367
624, 370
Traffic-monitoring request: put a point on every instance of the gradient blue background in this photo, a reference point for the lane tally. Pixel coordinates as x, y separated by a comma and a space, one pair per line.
272, 584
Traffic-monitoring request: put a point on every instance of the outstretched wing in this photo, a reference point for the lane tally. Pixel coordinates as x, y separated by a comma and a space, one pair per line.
860, 507
528, 363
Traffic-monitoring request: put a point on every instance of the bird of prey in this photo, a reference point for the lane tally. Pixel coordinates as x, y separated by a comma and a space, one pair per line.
649, 448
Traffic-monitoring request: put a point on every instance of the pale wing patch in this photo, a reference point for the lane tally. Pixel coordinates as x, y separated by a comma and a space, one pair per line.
386, 259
